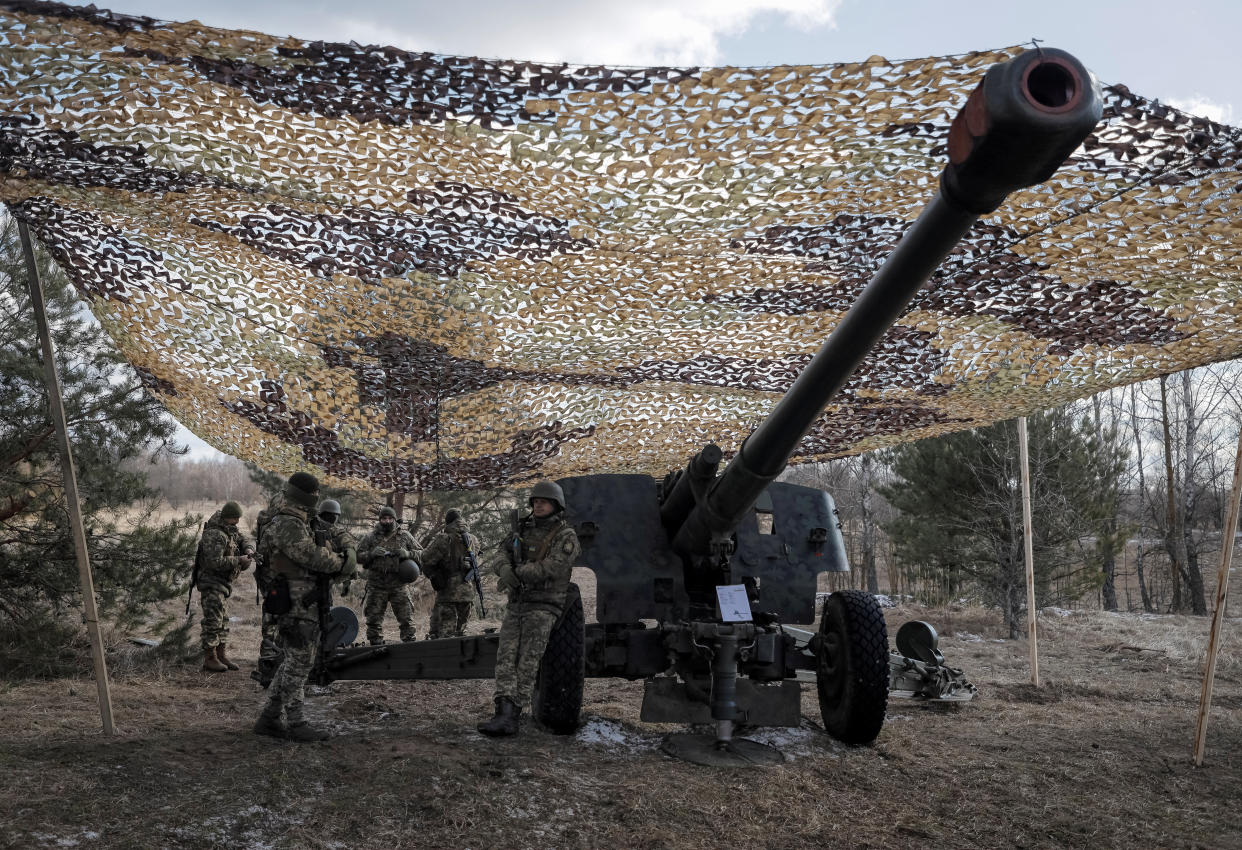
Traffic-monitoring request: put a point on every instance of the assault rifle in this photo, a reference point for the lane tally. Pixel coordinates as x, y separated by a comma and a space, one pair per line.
198, 560
472, 575
513, 547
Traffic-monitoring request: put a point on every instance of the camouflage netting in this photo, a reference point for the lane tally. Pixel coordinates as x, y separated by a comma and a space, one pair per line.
418, 271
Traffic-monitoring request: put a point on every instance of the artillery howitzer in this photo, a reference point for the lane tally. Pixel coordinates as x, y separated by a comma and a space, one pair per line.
663, 551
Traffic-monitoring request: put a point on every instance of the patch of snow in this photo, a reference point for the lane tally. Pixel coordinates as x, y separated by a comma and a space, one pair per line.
1054, 611
1135, 615
968, 637
611, 735
257, 827
794, 742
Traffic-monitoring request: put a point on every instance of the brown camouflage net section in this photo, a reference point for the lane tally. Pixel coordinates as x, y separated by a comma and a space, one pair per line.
418, 271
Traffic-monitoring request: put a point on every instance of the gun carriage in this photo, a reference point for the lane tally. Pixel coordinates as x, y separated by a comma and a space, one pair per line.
662, 550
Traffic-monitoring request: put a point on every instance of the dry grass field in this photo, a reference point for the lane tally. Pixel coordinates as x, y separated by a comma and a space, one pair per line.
1098, 757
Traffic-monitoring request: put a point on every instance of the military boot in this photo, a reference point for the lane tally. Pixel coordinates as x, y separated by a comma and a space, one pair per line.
211, 662
224, 659
269, 724
504, 722
304, 733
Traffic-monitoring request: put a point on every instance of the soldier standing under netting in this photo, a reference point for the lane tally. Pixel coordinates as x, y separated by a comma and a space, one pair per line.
327, 533
224, 553
381, 553
297, 565
446, 564
536, 572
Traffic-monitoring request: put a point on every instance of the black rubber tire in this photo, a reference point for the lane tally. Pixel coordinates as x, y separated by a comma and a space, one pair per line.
557, 699
852, 667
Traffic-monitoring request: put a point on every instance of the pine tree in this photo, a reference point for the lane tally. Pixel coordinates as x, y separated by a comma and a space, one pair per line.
959, 504
138, 561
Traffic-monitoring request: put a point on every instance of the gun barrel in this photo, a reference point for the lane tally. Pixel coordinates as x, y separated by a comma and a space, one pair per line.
1018, 126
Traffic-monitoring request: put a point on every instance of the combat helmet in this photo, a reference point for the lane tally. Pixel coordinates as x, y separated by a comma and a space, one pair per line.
549, 490
331, 507
387, 511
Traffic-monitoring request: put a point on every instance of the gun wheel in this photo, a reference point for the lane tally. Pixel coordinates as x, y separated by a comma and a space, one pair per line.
852, 669
557, 699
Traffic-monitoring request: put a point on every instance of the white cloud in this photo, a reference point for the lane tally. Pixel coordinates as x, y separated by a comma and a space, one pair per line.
635, 32
1199, 105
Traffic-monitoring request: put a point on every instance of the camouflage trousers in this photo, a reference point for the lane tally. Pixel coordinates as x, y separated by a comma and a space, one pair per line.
376, 604
523, 638
215, 624
448, 619
270, 653
300, 641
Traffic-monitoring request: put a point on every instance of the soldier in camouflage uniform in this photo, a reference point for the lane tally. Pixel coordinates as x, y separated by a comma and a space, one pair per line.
224, 553
536, 574
336, 539
446, 564
289, 545
380, 554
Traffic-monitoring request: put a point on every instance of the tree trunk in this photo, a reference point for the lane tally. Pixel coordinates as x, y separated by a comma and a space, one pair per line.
1174, 536
1194, 577
1109, 566
1138, 453
867, 517
1108, 563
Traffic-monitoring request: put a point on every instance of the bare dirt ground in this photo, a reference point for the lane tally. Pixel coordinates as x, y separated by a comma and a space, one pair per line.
1098, 757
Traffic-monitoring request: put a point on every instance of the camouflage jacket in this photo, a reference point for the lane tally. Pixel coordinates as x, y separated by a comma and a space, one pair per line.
338, 539
289, 545
549, 549
445, 563
377, 554
223, 555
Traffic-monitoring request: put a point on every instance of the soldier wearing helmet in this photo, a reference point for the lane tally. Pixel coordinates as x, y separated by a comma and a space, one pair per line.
327, 525
446, 562
382, 553
535, 571
223, 554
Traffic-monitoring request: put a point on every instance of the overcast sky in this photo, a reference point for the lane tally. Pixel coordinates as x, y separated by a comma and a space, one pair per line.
1184, 53
1181, 53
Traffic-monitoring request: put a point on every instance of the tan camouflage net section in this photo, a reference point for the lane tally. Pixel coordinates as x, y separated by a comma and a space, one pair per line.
417, 271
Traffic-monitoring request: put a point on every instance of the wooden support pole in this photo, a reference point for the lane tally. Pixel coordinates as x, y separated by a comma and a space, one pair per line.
1029, 550
56, 407
1218, 616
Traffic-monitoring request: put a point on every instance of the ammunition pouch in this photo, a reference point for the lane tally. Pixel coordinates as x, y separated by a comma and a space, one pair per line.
277, 599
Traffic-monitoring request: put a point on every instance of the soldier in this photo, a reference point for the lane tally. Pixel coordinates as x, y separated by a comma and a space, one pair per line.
381, 553
446, 564
297, 565
536, 574
336, 539
224, 553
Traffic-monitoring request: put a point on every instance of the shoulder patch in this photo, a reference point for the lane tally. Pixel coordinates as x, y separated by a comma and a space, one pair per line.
567, 547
